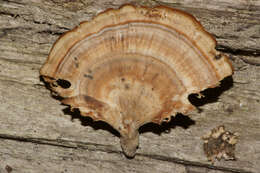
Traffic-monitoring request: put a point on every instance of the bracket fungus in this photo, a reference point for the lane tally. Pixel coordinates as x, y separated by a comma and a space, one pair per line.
134, 65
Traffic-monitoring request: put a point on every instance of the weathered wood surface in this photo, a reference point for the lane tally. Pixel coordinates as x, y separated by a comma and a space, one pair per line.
37, 134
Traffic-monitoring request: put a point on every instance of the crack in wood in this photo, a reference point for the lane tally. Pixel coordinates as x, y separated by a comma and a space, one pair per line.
46, 23
7, 14
35, 22
194, 164
244, 52
109, 149
51, 32
14, 2
250, 62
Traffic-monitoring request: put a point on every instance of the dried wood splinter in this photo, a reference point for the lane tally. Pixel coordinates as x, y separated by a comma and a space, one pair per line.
134, 65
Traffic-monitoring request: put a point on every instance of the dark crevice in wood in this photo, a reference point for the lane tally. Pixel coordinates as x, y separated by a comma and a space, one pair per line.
58, 143
48, 24
7, 14
250, 62
36, 141
253, 54
14, 2
35, 22
243, 52
243, 10
107, 148
194, 164
51, 32
6, 31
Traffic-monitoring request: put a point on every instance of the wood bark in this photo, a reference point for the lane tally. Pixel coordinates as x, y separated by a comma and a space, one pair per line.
38, 134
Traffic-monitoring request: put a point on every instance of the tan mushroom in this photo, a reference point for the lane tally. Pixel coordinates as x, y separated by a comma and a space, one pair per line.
134, 65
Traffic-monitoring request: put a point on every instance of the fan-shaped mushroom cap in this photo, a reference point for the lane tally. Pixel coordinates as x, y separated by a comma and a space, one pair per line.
134, 65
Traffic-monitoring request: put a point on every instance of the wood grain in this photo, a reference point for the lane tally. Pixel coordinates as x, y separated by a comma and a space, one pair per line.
37, 134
